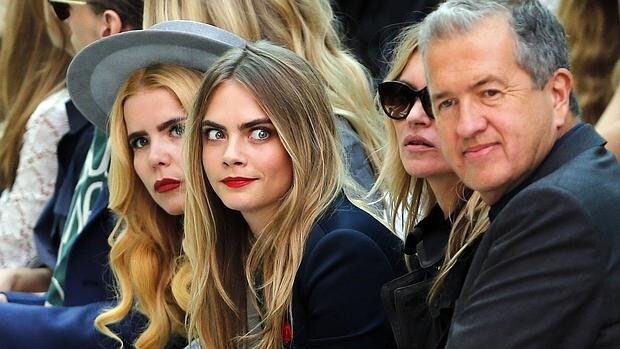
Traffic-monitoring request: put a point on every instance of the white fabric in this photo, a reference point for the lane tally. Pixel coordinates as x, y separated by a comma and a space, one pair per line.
21, 206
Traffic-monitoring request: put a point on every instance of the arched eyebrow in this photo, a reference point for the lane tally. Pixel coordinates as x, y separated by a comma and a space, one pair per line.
254, 123
163, 126
243, 126
166, 124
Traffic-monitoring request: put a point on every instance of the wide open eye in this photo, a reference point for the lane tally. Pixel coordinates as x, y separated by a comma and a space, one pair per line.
260, 134
213, 134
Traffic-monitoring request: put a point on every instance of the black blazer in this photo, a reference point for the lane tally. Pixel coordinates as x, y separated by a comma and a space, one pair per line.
349, 255
416, 323
547, 272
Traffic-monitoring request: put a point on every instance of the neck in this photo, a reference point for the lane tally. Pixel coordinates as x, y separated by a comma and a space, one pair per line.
257, 220
445, 190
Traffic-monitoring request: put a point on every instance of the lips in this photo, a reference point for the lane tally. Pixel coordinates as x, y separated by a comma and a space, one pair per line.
166, 184
417, 140
415, 143
478, 150
237, 182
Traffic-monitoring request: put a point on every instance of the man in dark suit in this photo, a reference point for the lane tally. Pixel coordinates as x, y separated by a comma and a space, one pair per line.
547, 272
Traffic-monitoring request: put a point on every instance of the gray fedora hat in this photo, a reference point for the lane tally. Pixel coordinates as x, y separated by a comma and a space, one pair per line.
97, 72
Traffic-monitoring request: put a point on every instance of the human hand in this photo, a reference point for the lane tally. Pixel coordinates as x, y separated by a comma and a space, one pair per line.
25, 279
7, 279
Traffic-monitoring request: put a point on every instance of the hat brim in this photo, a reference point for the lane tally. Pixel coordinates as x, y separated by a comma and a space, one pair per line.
96, 74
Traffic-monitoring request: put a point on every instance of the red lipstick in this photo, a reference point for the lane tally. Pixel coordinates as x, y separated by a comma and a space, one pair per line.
237, 182
166, 184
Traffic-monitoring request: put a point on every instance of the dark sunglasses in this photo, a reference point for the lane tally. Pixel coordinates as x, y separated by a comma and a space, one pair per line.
62, 7
397, 98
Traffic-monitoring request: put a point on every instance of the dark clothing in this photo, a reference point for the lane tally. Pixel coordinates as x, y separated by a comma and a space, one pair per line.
25, 322
547, 272
415, 323
336, 301
370, 27
72, 150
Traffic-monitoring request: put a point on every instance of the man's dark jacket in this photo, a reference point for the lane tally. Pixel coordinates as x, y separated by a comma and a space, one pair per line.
547, 272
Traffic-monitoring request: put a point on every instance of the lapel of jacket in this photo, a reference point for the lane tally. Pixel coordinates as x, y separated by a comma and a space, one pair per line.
99, 209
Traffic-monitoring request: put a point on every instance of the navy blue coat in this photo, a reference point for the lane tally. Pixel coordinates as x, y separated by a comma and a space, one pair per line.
349, 255
547, 272
25, 323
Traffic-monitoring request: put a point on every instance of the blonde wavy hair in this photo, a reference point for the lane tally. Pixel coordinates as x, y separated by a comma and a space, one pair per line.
146, 241
30, 71
225, 256
306, 27
590, 28
411, 197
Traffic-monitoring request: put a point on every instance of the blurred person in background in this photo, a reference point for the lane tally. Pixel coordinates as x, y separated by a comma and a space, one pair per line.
592, 28
32, 100
3, 5
370, 26
609, 123
72, 231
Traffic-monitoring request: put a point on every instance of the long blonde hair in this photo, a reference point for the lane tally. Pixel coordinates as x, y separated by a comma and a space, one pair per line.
30, 70
306, 27
594, 51
146, 241
412, 196
218, 242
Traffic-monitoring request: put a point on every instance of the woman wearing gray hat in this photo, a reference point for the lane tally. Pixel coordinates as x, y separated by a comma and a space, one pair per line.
145, 81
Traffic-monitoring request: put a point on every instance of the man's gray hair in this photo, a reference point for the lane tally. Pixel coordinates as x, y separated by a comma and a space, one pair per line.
540, 39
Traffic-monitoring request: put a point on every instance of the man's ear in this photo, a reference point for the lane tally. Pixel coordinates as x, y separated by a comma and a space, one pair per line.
112, 23
561, 86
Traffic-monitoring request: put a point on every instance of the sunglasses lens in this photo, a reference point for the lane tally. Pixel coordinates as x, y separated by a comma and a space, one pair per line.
61, 10
395, 99
398, 98
425, 99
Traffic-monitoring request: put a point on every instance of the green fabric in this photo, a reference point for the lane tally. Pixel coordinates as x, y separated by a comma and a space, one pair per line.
94, 174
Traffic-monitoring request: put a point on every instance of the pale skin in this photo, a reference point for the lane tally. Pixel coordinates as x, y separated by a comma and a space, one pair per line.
419, 143
154, 119
24, 280
495, 126
243, 157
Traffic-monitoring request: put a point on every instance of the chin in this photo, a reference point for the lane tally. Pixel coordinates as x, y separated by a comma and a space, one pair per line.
174, 209
420, 171
175, 212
